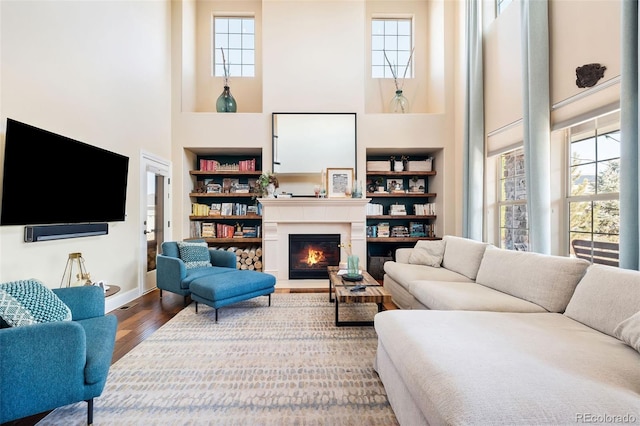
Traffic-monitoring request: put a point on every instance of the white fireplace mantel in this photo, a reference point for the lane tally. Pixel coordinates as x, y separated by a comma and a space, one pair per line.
284, 216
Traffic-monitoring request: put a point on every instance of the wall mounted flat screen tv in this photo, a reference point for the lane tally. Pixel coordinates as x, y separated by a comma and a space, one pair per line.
52, 179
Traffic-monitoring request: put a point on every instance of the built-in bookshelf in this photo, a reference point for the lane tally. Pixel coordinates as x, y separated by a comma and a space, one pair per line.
224, 208
402, 210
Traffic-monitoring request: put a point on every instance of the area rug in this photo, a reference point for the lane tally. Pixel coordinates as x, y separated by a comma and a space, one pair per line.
286, 364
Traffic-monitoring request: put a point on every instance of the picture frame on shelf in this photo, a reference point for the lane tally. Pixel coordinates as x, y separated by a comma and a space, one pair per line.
417, 186
339, 182
395, 185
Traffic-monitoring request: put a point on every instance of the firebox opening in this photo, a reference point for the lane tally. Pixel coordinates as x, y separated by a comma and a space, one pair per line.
310, 254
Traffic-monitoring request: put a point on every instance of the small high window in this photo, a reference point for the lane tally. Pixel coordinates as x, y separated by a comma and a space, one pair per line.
393, 38
236, 37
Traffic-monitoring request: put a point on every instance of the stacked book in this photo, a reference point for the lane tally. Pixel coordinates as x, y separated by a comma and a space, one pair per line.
397, 210
399, 231
208, 230
252, 231
383, 229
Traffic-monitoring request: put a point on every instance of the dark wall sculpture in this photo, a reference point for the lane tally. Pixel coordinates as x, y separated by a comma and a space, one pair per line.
589, 74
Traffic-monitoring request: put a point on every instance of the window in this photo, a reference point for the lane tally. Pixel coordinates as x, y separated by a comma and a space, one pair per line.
392, 37
512, 203
593, 185
501, 5
236, 36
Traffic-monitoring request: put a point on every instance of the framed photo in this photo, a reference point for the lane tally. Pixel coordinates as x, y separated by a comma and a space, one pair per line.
339, 182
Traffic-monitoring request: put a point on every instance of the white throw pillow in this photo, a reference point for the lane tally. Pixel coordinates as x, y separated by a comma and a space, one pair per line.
629, 331
427, 252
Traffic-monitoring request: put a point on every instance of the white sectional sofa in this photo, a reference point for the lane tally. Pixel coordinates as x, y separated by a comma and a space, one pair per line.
567, 352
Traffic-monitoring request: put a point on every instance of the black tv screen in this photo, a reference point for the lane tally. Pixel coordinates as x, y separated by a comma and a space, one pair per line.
52, 179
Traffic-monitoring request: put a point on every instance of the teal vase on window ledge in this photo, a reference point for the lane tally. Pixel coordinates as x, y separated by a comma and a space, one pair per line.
226, 102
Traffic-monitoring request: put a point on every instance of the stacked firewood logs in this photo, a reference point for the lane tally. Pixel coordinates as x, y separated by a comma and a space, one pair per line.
249, 257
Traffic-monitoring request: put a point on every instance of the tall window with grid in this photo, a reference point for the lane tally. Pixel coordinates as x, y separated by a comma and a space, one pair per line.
393, 37
512, 203
236, 37
593, 188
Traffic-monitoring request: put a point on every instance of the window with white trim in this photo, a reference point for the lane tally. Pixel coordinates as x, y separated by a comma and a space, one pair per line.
393, 38
512, 201
593, 201
235, 38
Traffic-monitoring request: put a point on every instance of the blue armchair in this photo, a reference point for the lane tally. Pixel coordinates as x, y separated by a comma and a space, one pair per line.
172, 274
49, 365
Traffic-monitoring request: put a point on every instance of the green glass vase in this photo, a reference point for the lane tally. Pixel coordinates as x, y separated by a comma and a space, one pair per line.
353, 265
399, 104
226, 102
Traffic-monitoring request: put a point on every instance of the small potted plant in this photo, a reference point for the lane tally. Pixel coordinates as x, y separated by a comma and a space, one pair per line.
267, 183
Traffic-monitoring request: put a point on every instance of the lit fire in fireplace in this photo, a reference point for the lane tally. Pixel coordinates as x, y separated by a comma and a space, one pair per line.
314, 256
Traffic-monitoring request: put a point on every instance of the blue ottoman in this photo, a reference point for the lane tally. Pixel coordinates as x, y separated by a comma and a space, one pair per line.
223, 289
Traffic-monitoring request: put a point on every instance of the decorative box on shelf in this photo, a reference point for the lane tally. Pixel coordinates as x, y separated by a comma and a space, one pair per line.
421, 166
378, 166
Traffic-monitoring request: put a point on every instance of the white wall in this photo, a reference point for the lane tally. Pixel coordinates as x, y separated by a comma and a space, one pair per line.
99, 72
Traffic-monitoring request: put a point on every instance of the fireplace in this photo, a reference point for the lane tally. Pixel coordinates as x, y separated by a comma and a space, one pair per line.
310, 254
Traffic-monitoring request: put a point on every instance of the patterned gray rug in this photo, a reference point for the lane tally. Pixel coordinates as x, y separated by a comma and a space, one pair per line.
281, 365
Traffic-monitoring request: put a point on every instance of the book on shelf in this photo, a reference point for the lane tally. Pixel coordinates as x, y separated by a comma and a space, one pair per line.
399, 231
195, 229
424, 209
416, 229
383, 229
226, 209
250, 231
208, 165
247, 165
239, 209
375, 209
372, 231
208, 230
215, 209
397, 210
225, 231
199, 209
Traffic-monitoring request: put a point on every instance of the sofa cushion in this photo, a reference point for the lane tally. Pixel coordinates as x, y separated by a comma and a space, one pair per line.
629, 331
27, 302
403, 273
605, 297
194, 254
463, 255
464, 367
428, 253
546, 280
467, 296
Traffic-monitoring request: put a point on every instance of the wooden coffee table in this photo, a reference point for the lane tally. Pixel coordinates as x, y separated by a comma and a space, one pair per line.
341, 288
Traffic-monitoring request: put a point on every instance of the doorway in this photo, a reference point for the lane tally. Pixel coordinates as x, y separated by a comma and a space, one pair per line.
155, 215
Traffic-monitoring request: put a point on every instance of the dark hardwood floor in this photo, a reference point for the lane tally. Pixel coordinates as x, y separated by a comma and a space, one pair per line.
138, 319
